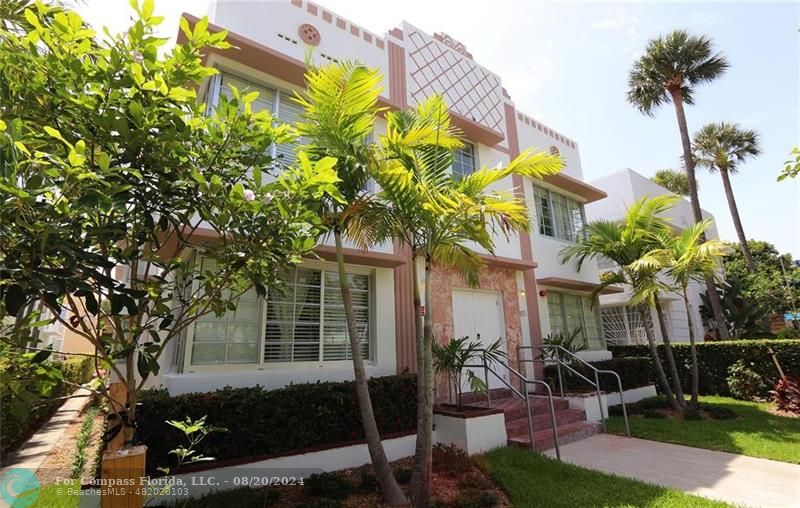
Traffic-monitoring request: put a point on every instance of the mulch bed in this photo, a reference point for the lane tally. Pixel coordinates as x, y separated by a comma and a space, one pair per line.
58, 463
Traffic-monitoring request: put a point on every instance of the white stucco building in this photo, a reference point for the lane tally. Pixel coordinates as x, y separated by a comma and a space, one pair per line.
621, 323
525, 292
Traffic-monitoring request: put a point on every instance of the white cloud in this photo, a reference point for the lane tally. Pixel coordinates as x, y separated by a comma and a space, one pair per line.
624, 21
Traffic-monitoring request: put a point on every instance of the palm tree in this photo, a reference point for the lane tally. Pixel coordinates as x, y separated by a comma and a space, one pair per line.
673, 180
437, 217
687, 258
340, 107
722, 147
670, 68
625, 242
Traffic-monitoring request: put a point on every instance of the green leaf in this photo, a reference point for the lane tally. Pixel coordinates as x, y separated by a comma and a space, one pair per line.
41, 356
15, 299
185, 28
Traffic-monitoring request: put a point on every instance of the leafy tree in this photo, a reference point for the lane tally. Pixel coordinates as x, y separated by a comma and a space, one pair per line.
767, 285
744, 317
674, 181
670, 68
116, 183
722, 147
438, 217
686, 258
340, 107
791, 167
626, 242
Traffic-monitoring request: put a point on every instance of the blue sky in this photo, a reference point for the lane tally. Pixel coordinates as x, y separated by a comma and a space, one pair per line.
566, 63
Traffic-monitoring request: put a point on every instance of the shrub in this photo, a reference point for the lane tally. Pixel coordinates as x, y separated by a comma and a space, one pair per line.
788, 333
787, 394
264, 422
403, 475
451, 460
475, 480
13, 430
243, 497
328, 485
714, 359
634, 372
744, 383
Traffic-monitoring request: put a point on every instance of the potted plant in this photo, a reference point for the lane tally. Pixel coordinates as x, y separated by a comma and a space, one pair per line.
475, 429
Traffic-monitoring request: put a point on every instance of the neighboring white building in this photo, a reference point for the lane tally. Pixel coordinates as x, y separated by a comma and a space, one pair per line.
525, 292
621, 323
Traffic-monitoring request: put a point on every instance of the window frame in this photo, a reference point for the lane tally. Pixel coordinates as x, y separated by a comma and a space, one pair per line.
188, 368
474, 155
558, 223
215, 88
563, 314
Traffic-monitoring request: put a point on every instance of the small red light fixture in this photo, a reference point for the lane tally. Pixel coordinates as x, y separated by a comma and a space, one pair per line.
542, 293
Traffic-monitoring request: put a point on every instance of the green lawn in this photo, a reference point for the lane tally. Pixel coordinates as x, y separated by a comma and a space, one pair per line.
755, 432
535, 480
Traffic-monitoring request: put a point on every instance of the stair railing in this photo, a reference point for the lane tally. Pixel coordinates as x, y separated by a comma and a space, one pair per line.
523, 394
559, 361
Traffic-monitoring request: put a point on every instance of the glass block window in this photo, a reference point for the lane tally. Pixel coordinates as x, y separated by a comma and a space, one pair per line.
463, 161
558, 216
568, 311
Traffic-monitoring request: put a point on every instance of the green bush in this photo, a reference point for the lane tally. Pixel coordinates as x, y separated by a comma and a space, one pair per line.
744, 383
13, 430
715, 358
788, 333
328, 485
264, 422
634, 372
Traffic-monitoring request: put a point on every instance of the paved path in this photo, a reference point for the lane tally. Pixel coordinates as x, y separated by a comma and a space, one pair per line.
718, 475
34, 451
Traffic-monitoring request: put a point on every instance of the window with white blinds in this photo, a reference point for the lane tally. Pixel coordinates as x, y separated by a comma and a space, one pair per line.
278, 102
303, 322
306, 321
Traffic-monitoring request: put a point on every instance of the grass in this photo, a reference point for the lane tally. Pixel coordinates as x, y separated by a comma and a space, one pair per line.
756, 432
49, 496
535, 480
82, 442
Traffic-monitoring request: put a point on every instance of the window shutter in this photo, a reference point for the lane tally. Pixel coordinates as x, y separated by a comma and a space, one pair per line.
288, 113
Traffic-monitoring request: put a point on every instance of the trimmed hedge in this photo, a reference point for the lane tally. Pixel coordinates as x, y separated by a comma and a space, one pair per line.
12, 431
714, 359
635, 372
264, 422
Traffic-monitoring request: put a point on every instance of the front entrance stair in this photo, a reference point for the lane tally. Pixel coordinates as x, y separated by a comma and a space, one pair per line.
571, 424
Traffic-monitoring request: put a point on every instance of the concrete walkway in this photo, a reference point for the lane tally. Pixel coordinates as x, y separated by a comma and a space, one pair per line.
34, 451
717, 475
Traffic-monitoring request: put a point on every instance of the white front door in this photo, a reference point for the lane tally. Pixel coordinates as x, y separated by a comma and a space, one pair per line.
479, 315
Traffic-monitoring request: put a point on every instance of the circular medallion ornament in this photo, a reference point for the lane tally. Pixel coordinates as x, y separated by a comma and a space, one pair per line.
309, 34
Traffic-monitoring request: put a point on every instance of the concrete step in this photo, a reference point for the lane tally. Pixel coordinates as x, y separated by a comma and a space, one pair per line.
515, 408
542, 421
569, 433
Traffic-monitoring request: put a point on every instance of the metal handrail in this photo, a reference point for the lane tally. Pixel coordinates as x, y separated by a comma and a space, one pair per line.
522, 394
559, 362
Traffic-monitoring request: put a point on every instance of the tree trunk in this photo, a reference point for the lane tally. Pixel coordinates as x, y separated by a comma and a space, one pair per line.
129, 427
737, 221
693, 348
668, 354
688, 162
392, 494
660, 376
423, 461
419, 342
